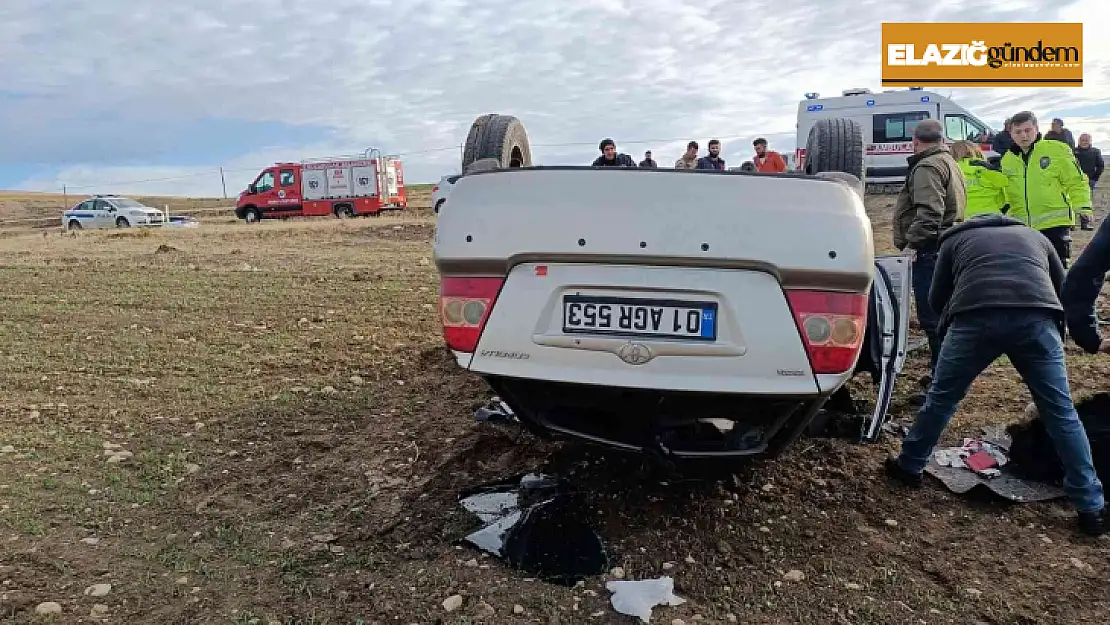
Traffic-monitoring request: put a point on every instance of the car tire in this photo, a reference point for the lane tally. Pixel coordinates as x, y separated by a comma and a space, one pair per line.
121, 222
498, 137
835, 145
73, 225
344, 211
484, 164
438, 204
252, 216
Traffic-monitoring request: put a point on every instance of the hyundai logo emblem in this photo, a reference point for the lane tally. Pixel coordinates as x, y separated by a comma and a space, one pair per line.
635, 353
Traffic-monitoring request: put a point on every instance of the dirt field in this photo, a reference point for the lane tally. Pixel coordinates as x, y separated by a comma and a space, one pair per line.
298, 437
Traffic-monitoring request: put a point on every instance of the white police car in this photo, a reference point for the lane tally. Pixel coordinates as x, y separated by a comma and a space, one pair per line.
111, 211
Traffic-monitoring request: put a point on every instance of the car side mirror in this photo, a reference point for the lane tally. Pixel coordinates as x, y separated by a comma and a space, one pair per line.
252, 189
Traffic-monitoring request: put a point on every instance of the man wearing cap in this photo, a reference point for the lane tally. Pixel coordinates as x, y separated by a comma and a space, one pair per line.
609, 156
1059, 133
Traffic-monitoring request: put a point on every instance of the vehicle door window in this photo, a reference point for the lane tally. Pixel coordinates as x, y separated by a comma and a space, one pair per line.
265, 182
287, 178
103, 205
87, 205
896, 127
962, 127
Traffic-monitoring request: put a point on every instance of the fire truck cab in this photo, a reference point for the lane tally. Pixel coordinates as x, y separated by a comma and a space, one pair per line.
342, 187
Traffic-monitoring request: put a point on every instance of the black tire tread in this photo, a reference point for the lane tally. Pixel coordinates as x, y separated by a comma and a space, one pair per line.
835, 144
494, 136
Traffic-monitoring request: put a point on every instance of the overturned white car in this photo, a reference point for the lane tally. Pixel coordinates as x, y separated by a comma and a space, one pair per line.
682, 313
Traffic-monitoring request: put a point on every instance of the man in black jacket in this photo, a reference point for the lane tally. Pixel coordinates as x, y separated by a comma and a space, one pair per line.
1002, 141
1090, 159
996, 287
609, 156
1081, 289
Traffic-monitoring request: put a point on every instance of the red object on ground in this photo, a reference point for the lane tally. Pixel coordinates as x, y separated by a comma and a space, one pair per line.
980, 461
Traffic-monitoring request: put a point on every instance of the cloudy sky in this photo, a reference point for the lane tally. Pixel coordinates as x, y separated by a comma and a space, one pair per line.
143, 96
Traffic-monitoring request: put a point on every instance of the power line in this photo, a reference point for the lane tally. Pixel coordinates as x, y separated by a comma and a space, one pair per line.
216, 170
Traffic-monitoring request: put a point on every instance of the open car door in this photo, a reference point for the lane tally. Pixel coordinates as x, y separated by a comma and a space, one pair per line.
888, 324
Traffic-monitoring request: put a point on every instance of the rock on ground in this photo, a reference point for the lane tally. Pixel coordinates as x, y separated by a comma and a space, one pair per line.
48, 607
98, 590
452, 603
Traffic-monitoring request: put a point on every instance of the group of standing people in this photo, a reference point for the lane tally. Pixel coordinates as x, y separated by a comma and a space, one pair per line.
764, 160
991, 245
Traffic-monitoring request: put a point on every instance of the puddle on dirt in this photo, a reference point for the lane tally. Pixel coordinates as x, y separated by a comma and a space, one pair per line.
534, 524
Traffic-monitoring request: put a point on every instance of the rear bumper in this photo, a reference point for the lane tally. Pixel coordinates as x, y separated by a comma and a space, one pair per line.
675, 425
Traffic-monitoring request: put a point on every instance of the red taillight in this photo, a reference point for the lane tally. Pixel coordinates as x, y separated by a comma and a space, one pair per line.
832, 325
464, 306
435, 188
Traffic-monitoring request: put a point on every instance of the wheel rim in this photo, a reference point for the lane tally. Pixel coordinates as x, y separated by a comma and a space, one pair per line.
251, 216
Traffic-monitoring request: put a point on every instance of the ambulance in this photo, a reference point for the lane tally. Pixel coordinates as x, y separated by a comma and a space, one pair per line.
888, 119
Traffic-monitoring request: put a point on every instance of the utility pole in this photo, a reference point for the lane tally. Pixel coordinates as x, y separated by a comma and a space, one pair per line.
222, 183
65, 197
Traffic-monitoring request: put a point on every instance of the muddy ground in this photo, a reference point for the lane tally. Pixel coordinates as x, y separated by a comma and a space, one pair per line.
297, 438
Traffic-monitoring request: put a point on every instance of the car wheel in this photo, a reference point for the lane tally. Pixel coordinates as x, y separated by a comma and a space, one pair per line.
344, 212
74, 225
499, 137
835, 145
121, 222
252, 216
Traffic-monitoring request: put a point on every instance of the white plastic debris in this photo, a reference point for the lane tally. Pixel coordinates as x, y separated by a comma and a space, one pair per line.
637, 598
949, 458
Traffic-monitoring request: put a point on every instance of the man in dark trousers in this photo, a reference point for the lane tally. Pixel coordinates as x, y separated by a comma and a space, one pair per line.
1090, 160
997, 285
609, 156
932, 197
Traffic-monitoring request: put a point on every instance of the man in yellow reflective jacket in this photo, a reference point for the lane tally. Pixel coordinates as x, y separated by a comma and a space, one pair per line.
1047, 188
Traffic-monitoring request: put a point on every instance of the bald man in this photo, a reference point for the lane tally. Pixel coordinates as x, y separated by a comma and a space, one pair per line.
1090, 159
932, 198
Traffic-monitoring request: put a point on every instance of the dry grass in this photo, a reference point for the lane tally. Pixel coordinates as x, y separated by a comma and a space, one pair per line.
283, 381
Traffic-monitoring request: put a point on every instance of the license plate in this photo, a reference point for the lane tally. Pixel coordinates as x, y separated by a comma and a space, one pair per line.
584, 314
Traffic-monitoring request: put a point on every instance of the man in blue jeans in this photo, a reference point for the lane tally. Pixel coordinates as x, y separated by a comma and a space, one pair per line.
933, 198
997, 285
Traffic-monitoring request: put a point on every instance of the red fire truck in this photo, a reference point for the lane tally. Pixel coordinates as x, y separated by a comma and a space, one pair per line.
343, 187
